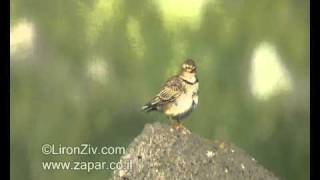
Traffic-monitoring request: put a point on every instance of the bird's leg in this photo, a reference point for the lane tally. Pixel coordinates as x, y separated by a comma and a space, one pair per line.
177, 125
174, 123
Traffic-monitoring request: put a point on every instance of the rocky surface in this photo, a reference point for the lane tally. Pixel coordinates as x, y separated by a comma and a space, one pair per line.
162, 153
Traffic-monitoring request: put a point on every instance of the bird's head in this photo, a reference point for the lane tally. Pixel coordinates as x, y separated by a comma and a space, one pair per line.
189, 66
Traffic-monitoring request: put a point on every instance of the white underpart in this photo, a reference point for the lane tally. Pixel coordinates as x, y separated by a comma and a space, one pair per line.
184, 101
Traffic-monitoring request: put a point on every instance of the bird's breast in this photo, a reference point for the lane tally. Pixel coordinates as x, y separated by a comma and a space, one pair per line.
185, 103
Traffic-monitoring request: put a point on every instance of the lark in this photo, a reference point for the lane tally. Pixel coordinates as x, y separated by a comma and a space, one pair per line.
179, 95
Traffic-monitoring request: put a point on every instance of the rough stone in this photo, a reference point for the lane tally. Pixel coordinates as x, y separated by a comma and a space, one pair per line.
162, 153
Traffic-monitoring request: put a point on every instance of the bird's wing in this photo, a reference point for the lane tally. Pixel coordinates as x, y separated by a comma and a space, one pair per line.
172, 89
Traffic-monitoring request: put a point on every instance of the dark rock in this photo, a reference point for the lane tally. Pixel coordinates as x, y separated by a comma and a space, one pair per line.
160, 152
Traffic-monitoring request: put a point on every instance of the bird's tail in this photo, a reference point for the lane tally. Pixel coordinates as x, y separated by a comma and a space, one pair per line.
148, 107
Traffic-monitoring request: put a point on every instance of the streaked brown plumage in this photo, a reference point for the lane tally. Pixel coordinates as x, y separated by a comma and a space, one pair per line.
179, 95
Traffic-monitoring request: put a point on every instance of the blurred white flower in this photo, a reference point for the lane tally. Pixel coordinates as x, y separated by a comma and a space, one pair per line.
268, 76
21, 38
98, 70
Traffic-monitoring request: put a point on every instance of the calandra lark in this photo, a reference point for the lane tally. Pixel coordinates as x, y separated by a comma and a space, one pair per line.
179, 96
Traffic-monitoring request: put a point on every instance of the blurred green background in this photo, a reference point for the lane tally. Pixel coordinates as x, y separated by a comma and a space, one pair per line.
81, 70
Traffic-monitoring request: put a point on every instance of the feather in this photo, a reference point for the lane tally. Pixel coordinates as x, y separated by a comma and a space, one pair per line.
172, 89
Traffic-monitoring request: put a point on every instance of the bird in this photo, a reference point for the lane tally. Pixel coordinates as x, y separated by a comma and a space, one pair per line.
178, 97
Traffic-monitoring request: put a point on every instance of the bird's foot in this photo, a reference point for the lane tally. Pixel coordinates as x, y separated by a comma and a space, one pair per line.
177, 126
